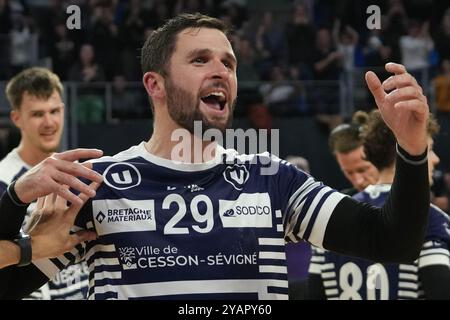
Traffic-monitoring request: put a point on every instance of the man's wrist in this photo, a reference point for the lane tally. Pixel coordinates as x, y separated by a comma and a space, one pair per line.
412, 159
13, 195
24, 243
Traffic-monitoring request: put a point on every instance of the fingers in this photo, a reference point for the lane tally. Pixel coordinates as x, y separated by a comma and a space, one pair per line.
77, 154
405, 94
40, 203
71, 214
49, 203
61, 202
415, 106
73, 183
75, 169
400, 81
69, 196
395, 68
81, 236
375, 87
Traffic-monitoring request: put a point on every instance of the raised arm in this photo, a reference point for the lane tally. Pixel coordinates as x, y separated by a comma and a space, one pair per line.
394, 233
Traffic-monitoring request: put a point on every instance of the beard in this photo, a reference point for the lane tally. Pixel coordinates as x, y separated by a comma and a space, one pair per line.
184, 109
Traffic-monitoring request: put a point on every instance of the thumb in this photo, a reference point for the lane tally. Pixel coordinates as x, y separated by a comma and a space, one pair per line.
375, 86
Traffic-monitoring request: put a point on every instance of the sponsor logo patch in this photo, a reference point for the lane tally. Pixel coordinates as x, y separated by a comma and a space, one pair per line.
123, 215
249, 210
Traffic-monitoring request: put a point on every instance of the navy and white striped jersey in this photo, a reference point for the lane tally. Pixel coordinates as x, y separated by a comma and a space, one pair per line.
346, 278
69, 284
214, 230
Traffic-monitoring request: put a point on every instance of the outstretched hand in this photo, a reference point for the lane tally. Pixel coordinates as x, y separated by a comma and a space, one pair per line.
51, 174
50, 224
405, 109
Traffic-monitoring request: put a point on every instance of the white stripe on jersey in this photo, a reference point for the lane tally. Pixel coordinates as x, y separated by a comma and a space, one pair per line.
271, 242
332, 283
315, 268
329, 275
408, 267
434, 251
273, 269
328, 266
408, 285
99, 248
318, 259
434, 259
272, 255
197, 287
320, 225
407, 276
278, 214
408, 294
311, 209
331, 292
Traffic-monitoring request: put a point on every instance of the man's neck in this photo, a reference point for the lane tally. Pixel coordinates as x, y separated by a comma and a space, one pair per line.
387, 175
30, 155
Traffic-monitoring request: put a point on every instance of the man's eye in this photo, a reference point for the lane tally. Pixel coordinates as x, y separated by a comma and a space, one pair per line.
199, 60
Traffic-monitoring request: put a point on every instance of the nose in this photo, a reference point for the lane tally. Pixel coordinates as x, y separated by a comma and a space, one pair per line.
48, 119
219, 70
358, 181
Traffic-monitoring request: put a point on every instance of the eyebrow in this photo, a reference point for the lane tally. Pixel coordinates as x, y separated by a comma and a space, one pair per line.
197, 52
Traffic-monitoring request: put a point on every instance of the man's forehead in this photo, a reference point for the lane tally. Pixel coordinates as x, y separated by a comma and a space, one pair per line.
208, 38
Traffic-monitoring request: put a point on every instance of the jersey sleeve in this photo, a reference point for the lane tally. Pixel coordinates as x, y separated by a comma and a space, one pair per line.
435, 250
307, 205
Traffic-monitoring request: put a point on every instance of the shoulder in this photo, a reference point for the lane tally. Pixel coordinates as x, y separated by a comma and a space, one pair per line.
11, 166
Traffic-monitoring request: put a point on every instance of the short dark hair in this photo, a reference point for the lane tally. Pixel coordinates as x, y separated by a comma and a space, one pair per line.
38, 82
379, 140
347, 137
160, 45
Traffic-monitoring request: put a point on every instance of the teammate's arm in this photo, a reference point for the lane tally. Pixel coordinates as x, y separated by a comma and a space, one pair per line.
50, 237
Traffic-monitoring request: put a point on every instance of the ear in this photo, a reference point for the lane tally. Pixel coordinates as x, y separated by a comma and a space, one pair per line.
154, 84
16, 118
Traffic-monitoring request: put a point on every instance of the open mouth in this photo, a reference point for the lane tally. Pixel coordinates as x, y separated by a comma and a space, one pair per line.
215, 100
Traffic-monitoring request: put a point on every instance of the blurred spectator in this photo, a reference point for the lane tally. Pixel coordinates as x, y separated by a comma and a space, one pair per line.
415, 48
346, 41
90, 107
248, 58
132, 37
280, 94
126, 102
21, 42
442, 88
327, 67
63, 51
104, 35
300, 36
270, 43
443, 37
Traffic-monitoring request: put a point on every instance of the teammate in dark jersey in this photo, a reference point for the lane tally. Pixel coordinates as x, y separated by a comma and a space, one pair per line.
347, 146
214, 225
335, 276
